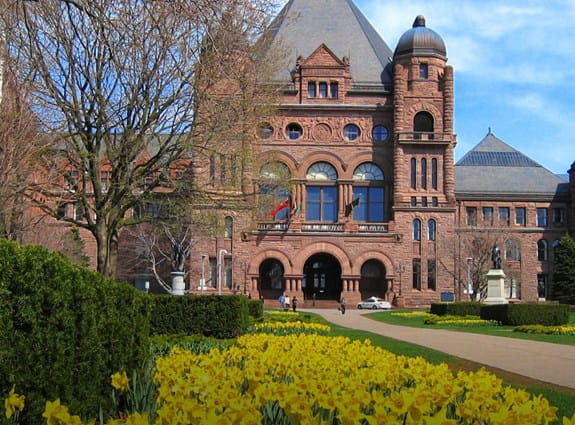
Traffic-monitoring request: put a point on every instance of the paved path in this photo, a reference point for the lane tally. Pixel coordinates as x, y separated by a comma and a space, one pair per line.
554, 363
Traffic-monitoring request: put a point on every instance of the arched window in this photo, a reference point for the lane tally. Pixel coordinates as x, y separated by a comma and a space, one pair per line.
431, 230
321, 193
417, 229
423, 173
271, 275
229, 227
368, 193
542, 250
274, 190
423, 123
512, 250
413, 172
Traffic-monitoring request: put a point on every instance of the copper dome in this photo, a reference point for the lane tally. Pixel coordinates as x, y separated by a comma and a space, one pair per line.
420, 41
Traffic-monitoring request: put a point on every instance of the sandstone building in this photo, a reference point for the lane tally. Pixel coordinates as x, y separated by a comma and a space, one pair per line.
376, 205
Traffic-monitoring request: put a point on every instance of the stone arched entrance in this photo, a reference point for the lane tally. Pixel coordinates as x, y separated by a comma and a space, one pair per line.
271, 278
373, 282
322, 278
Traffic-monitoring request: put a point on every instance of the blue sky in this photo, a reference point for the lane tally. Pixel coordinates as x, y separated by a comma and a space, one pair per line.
514, 63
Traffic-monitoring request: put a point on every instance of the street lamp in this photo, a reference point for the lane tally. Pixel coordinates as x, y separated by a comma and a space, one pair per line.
399, 269
220, 253
203, 279
469, 282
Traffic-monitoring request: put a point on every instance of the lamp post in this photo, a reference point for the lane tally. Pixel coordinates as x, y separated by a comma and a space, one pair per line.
203, 280
147, 286
220, 253
399, 269
469, 282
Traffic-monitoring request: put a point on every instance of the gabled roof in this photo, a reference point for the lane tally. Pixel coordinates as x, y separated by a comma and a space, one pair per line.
493, 167
303, 25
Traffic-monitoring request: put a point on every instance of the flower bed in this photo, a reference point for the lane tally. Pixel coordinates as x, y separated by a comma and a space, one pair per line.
458, 320
303, 379
547, 330
289, 328
410, 314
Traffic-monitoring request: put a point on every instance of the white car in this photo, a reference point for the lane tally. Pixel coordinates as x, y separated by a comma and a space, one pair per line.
373, 303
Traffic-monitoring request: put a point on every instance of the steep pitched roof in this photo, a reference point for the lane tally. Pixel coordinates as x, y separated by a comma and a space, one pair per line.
303, 25
493, 167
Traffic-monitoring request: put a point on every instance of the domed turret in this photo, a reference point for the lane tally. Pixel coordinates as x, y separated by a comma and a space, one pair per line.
420, 41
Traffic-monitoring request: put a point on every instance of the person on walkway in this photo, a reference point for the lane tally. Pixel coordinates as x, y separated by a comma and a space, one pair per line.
287, 303
294, 304
342, 305
282, 300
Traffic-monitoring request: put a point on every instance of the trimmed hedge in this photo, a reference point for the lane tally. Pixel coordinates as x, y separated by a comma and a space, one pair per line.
462, 308
219, 316
256, 308
65, 330
527, 314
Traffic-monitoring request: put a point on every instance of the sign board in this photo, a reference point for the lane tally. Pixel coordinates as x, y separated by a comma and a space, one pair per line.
447, 297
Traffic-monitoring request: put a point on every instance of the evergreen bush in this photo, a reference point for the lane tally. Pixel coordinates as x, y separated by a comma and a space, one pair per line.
547, 314
219, 316
461, 308
256, 308
65, 330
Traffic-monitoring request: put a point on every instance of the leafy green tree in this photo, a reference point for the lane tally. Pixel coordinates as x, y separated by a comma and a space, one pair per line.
563, 288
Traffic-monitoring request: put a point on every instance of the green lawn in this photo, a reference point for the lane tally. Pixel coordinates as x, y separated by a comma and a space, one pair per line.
562, 398
506, 331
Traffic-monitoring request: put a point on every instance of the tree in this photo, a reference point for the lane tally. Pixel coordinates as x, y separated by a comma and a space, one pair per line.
563, 288
471, 253
125, 87
21, 152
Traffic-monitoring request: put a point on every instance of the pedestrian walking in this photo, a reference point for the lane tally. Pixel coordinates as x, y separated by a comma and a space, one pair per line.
287, 303
282, 299
294, 304
342, 305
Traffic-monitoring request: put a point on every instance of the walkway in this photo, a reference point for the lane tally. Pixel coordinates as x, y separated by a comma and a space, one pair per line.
554, 363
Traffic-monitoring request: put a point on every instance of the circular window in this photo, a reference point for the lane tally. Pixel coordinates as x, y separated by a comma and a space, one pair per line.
351, 132
294, 131
379, 133
265, 130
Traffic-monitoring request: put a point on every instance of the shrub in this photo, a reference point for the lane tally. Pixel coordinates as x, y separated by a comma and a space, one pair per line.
462, 308
65, 329
219, 316
256, 308
527, 314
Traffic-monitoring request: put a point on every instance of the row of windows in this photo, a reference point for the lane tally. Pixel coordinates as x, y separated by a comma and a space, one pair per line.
431, 229
425, 201
320, 89
322, 192
294, 131
542, 217
420, 169
227, 166
431, 274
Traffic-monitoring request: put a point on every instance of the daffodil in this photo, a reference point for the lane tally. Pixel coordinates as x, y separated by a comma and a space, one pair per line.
13, 403
120, 381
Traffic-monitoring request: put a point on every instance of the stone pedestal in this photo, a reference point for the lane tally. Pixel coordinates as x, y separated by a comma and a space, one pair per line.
495, 287
178, 284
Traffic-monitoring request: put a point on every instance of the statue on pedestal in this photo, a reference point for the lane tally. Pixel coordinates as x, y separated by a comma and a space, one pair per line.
496, 257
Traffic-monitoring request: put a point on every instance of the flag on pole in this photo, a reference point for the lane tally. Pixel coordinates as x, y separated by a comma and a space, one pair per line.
280, 207
294, 209
349, 207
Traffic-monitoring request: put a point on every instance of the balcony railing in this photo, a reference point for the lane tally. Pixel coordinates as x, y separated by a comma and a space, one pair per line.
373, 228
278, 227
424, 136
323, 227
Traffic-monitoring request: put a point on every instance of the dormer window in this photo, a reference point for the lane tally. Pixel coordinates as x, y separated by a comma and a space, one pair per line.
423, 71
311, 89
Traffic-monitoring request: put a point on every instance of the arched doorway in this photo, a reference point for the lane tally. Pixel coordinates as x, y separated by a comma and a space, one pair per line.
372, 282
272, 283
322, 278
